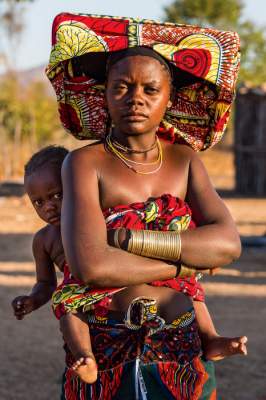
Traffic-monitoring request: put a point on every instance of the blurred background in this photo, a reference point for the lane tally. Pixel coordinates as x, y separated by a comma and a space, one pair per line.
31, 356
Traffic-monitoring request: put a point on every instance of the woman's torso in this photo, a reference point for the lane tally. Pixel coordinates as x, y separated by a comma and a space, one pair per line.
119, 185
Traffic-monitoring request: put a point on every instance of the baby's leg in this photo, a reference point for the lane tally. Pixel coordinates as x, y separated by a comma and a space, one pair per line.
216, 347
76, 333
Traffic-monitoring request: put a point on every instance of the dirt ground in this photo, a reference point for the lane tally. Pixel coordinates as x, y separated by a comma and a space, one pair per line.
32, 358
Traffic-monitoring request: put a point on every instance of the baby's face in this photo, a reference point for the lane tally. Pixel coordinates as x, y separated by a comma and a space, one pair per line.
44, 189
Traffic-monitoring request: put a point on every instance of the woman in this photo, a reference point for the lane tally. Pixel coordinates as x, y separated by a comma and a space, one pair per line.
156, 352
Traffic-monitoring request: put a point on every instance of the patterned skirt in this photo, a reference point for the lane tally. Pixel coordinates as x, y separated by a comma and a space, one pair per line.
144, 360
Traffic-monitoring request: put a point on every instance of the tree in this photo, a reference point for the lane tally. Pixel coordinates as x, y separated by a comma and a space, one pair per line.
205, 12
28, 113
12, 25
253, 54
12, 114
28, 120
226, 15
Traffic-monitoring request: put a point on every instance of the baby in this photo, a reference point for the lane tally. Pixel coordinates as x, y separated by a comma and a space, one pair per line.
44, 188
43, 185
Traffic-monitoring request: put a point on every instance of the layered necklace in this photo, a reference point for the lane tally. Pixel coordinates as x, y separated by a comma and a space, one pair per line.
119, 151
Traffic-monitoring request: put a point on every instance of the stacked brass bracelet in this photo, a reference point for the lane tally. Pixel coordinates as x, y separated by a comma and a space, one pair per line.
116, 240
155, 244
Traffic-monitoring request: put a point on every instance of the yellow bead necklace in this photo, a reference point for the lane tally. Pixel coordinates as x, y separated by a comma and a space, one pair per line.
113, 149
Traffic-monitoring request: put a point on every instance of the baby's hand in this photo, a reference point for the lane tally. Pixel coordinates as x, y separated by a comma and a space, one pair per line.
22, 305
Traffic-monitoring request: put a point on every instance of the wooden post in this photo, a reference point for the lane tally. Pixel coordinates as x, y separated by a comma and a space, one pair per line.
250, 142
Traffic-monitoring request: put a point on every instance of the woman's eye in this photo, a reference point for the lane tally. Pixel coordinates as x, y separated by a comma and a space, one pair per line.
120, 87
151, 89
58, 196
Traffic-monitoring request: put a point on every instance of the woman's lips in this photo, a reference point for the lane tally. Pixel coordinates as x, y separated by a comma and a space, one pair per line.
135, 117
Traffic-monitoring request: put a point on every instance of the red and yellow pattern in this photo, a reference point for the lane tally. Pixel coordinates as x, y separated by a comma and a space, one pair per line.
200, 109
164, 213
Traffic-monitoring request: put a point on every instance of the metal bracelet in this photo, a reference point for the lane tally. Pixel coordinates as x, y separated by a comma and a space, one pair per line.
155, 244
116, 241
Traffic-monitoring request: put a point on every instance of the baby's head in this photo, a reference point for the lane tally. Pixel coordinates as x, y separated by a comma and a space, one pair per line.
42, 181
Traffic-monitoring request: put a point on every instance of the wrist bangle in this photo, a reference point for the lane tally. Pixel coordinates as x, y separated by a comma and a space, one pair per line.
116, 241
127, 240
155, 244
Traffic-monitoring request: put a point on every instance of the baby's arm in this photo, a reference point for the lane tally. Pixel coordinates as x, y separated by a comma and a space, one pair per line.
46, 281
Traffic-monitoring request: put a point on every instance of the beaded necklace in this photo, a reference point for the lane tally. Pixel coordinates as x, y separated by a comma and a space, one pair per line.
113, 148
126, 149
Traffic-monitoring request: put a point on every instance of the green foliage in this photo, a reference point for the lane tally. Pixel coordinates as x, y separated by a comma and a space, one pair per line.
31, 107
43, 112
205, 12
227, 14
253, 51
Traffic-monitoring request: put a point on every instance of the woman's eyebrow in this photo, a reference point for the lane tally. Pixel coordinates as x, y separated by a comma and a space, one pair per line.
121, 79
126, 80
153, 82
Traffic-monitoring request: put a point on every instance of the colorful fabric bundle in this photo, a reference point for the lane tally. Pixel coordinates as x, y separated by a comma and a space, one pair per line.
72, 295
165, 213
204, 61
136, 365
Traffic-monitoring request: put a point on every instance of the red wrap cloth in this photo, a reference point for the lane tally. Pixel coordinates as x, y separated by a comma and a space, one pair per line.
165, 213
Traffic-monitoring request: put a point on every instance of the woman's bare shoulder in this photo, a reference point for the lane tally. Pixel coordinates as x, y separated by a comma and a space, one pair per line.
88, 155
182, 152
90, 150
184, 149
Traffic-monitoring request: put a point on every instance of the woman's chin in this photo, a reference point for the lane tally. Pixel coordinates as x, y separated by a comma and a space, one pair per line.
136, 128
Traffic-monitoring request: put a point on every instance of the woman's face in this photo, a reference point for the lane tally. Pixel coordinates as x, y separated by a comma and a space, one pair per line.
138, 90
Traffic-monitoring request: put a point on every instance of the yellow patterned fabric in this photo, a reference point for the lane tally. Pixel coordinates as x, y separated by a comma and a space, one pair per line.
205, 62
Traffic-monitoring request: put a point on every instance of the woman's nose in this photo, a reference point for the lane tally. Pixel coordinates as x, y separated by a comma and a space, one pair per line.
135, 96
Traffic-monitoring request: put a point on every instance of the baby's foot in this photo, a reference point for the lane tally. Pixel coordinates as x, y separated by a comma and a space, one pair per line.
220, 347
86, 368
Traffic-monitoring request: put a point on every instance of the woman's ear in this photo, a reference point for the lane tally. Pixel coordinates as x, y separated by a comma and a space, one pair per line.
169, 104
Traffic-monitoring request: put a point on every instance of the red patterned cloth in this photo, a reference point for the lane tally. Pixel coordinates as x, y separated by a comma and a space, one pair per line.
165, 213
205, 64
134, 364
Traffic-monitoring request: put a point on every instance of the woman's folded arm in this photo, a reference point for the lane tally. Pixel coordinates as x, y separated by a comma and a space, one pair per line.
84, 233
